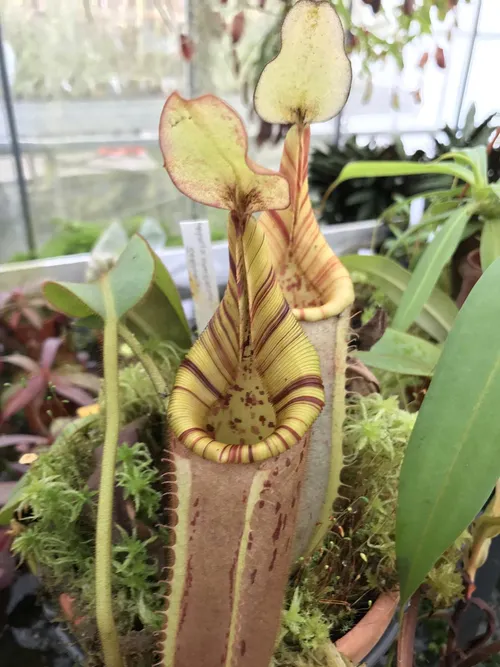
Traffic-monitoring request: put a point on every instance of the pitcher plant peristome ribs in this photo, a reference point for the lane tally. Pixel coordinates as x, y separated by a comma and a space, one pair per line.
240, 412
308, 81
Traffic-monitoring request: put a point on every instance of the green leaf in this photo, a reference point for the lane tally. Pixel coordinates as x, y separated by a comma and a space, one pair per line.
479, 157
129, 280
160, 314
495, 188
429, 268
404, 202
490, 243
401, 168
402, 353
452, 460
439, 311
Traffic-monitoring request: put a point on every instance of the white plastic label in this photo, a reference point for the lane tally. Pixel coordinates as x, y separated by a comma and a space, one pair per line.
200, 266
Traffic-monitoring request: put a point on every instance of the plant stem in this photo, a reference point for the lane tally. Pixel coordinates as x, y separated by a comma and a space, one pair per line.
481, 655
149, 365
406, 640
103, 566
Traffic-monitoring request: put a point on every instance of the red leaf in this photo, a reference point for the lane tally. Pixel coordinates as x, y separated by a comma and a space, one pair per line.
50, 348
408, 7
237, 27
265, 132
22, 439
262, 4
374, 4
35, 388
423, 60
72, 393
22, 361
14, 320
440, 59
33, 317
223, 2
236, 61
352, 41
187, 47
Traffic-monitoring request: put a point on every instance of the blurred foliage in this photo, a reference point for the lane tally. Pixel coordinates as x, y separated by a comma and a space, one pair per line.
73, 237
367, 198
376, 32
77, 49
359, 199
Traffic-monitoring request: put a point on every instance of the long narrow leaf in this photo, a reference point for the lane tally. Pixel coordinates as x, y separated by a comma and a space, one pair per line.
427, 272
453, 459
402, 353
439, 311
33, 390
490, 243
363, 169
21, 361
428, 194
478, 156
67, 390
22, 439
49, 351
408, 236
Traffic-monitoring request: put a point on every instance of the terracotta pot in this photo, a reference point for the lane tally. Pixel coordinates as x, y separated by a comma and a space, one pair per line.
365, 635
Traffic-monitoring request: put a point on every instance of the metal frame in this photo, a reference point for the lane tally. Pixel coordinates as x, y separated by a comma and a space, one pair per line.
16, 149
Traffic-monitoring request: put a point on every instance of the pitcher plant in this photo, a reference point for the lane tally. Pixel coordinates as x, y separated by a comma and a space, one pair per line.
239, 414
307, 82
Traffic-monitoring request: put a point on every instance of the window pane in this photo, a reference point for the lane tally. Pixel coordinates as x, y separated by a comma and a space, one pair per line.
90, 80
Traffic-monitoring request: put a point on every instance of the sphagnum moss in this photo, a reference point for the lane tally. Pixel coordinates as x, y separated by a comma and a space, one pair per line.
355, 563
55, 528
358, 560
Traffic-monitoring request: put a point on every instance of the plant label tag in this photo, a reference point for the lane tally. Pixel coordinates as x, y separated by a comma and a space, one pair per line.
201, 271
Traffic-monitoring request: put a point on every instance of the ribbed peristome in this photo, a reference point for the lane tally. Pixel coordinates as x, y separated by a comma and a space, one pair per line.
250, 387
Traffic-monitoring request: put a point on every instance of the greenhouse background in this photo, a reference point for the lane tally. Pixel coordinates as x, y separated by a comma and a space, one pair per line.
268, 438
88, 80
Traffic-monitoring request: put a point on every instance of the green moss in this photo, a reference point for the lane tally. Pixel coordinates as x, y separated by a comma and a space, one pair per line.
326, 594
55, 526
138, 397
137, 477
358, 560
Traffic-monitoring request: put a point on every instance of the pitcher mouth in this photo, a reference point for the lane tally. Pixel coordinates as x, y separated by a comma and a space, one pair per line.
333, 301
245, 424
314, 281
